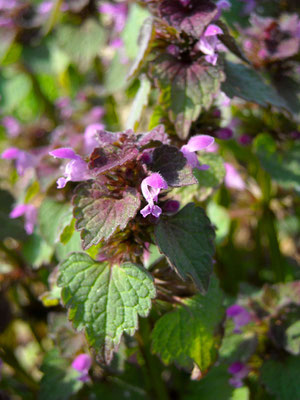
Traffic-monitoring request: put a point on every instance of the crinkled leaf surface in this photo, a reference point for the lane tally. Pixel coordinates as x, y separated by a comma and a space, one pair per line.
99, 213
190, 86
186, 239
53, 217
246, 83
60, 381
192, 331
281, 377
105, 300
284, 168
172, 165
157, 134
191, 18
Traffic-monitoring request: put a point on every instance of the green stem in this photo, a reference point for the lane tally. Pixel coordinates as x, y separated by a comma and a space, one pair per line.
157, 387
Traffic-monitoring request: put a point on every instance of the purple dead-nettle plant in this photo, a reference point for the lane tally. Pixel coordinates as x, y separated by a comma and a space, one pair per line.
125, 186
239, 315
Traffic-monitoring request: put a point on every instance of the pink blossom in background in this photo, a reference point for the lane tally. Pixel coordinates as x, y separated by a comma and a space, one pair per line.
245, 140
233, 179
239, 372
12, 126
30, 213
196, 143
239, 315
151, 187
82, 364
24, 160
224, 133
118, 12
91, 137
223, 5
76, 170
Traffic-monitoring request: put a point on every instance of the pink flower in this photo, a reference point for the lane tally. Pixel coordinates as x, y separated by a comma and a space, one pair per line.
239, 372
232, 178
209, 43
30, 213
196, 143
12, 126
151, 187
24, 160
118, 12
239, 315
82, 364
91, 137
224, 133
76, 170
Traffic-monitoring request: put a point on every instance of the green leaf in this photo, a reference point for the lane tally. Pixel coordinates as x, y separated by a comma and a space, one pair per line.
60, 380
230, 42
62, 250
98, 214
188, 87
293, 338
186, 239
146, 38
284, 168
53, 217
82, 43
214, 176
220, 218
139, 103
105, 300
281, 378
13, 90
247, 84
192, 331
36, 251
172, 165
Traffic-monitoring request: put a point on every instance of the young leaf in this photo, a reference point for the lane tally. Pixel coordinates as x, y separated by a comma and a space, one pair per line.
99, 214
281, 377
139, 103
247, 84
192, 331
186, 239
105, 300
191, 85
60, 380
172, 165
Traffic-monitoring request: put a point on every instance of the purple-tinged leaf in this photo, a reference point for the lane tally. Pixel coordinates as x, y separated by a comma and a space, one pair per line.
190, 16
113, 155
172, 165
230, 42
190, 84
99, 213
157, 134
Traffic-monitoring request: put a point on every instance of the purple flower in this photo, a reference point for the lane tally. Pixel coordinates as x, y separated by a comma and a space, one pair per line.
76, 170
91, 137
45, 7
245, 140
24, 160
171, 206
239, 315
118, 13
209, 43
250, 6
82, 364
30, 213
12, 126
224, 133
232, 178
196, 143
151, 187
239, 371
222, 5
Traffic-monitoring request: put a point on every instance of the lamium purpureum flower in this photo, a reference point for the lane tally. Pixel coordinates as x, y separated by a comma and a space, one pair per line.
209, 43
196, 143
24, 160
222, 5
239, 371
233, 179
30, 213
12, 126
118, 12
239, 315
82, 364
90, 136
151, 187
76, 170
